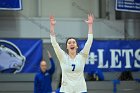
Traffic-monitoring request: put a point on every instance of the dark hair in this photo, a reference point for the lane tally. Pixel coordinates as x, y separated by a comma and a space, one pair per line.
69, 39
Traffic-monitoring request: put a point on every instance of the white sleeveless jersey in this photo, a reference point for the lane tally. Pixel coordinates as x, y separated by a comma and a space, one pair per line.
72, 69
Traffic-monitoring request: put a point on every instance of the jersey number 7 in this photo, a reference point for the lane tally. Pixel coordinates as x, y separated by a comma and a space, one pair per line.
73, 67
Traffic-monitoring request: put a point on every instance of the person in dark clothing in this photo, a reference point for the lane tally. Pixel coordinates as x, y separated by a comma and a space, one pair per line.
42, 81
126, 75
95, 75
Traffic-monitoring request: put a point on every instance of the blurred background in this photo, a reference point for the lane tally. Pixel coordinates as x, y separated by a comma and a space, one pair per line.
27, 26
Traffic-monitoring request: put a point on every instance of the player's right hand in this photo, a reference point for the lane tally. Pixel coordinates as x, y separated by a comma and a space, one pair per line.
52, 21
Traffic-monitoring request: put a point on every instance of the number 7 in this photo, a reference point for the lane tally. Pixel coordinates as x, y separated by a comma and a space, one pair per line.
73, 65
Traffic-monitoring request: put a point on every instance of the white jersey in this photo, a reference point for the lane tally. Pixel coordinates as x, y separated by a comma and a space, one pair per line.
72, 69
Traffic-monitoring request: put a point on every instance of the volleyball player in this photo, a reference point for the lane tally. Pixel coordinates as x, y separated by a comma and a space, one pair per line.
72, 63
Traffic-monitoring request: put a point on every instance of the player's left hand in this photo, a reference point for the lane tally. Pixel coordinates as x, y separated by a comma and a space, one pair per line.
90, 19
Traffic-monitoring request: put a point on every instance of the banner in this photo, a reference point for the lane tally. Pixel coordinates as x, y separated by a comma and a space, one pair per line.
113, 55
20, 55
10, 5
128, 5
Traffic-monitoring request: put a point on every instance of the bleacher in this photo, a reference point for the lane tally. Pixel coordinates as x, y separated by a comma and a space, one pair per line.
23, 83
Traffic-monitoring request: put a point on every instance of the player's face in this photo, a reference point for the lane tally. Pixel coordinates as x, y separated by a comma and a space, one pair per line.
43, 66
72, 45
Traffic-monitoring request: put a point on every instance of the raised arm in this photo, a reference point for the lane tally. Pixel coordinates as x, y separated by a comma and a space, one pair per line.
52, 69
88, 44
59, 52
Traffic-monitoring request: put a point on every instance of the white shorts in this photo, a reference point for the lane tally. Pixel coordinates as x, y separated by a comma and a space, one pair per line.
73, 88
